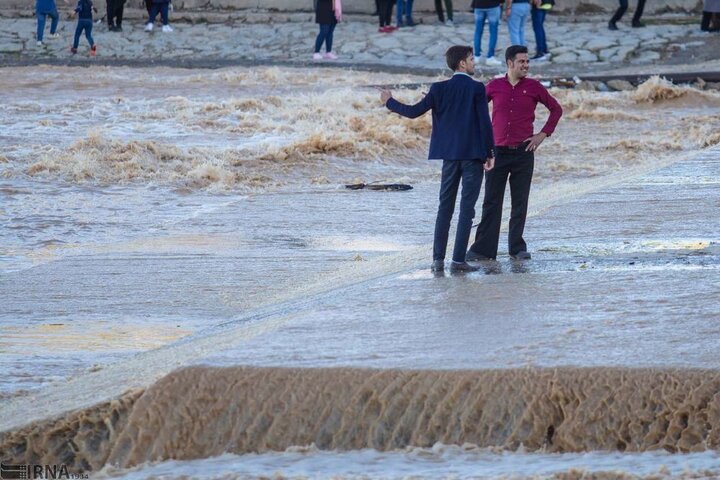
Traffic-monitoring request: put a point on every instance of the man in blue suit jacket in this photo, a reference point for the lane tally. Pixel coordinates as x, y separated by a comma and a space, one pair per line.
462, 138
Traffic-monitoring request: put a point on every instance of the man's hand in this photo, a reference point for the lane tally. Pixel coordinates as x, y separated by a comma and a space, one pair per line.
489, 164
535, 141
385, 95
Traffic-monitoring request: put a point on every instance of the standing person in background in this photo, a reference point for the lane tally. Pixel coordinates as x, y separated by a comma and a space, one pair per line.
486, 10
462, 138
385, 10
327, 14
441, 16
537, 14
162, 7
84, 11
516, 14
44, 9
711, 11
404, 7
514, 98
636, 23
115, 9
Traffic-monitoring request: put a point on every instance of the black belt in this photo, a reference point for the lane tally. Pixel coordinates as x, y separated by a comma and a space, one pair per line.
520, 146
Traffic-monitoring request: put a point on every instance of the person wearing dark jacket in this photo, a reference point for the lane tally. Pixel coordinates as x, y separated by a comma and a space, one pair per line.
612, 25
162, 7
84, 11
462, 138
486, 10
115, 10
327, 15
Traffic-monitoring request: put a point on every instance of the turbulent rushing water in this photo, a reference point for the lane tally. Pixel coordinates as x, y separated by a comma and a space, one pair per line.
146, 227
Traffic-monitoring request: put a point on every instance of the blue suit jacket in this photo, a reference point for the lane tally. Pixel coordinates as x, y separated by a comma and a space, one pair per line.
461, 123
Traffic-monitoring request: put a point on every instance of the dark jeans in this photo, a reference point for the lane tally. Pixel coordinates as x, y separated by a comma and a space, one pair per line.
517, 165
115, 9
41, 23
439, 9
404, 7
623, 8
162, 8
84, 24
471, 174
538, 20
385, 11
325, 35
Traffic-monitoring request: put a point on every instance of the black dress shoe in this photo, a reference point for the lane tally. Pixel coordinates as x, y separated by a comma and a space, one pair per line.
521, 256
612, 26
638, 25
462, 267
471, 256
437, 266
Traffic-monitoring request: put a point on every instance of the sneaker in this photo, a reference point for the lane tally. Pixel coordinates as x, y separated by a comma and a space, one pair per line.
449, 23
492, 61
118, 28
471, 256
93, 50
391, 28
612, 26
522, 255
382, 30
477, 59
638, 25
317, 56
39, 43
73, 50
149, 27
330, 56
410, 23
437, 266
57, 35
540, 57
167, 29
463, 267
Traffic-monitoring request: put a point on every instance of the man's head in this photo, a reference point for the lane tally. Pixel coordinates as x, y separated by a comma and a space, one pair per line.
516, 58
460, 59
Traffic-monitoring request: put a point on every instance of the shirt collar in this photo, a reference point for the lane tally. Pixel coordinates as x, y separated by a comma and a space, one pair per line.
461, 73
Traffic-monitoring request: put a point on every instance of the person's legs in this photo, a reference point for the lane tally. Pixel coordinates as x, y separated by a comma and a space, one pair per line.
480, 15
638, 12
78, 31
88, 32
164, 12
388, 12
524, 13
439, 10
619, 12
321, 36
110, 9
513, 23
521, 172
119, 10
40, 26
400, 9
451, 173
154, 12
705, 22
55, 16
487, 235
408, 12
493, 17
329, 37
382, 12
472, 175
148, 6
449, 9
538, 20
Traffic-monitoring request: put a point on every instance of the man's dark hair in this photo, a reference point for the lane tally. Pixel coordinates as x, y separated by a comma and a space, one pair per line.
513, 50
457, 54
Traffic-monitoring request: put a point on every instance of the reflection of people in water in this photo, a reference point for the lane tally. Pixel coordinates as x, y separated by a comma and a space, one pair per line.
514, 98
462, 138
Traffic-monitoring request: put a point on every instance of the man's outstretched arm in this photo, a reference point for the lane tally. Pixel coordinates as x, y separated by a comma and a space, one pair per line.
409, 111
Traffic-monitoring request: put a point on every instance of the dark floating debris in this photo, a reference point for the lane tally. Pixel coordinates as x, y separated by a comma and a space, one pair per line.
379, 186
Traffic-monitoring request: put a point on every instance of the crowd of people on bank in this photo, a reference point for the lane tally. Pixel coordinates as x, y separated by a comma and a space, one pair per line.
85, 10
490, 12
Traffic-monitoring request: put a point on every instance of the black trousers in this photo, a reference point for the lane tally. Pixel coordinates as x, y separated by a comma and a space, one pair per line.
470, 172
385, 8
623, 8
439, 9
115, 9
517, 167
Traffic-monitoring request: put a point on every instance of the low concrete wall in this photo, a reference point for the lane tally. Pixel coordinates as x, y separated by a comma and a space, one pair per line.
367, 6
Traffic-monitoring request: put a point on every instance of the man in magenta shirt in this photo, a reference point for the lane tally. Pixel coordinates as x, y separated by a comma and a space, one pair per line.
514, 98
